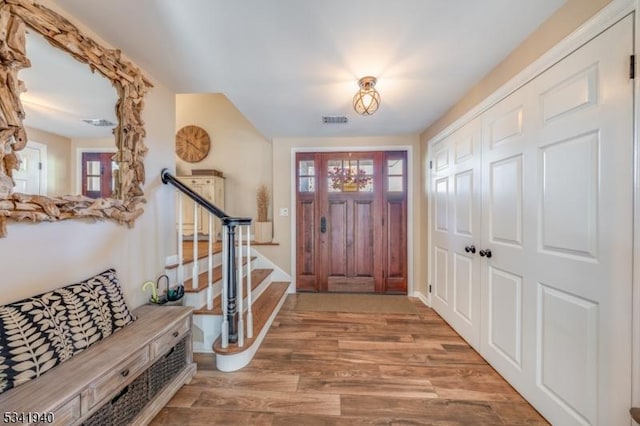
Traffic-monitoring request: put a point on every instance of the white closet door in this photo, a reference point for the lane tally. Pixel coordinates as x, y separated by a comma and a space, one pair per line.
30, 179
456, 231
507, 131
557, 211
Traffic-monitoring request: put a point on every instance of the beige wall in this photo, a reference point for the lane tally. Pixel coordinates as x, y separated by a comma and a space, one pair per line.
283, 197
237, 149
39, 257
58, 160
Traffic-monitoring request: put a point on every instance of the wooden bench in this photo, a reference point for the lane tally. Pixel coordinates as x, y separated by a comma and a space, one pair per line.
125, 378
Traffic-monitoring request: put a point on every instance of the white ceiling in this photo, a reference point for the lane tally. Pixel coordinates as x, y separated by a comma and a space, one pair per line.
285, 63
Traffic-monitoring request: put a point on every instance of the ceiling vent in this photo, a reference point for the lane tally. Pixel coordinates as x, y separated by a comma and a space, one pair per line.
99, 122
334, 119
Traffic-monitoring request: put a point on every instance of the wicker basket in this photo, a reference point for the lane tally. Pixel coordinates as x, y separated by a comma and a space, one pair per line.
166, 368
124, 406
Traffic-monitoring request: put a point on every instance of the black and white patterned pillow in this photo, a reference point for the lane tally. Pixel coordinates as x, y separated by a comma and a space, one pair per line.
40, 332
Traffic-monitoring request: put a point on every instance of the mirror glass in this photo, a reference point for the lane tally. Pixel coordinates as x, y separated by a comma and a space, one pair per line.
70, 117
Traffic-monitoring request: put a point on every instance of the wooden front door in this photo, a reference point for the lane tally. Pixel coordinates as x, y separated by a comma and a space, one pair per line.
97, 174
351, 222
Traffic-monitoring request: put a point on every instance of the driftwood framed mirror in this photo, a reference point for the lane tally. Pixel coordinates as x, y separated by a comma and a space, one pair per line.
125, 204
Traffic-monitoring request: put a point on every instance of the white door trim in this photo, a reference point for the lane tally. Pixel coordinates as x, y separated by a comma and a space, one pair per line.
410, 200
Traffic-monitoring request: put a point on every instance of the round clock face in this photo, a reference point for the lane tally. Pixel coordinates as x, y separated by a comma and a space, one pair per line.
192, 143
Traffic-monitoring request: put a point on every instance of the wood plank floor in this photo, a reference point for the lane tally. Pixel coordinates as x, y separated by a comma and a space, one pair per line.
323, 368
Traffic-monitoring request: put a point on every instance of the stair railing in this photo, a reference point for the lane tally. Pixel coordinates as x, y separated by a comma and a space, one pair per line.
233, 326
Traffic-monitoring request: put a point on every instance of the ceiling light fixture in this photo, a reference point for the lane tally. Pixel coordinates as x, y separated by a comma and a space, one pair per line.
367, 100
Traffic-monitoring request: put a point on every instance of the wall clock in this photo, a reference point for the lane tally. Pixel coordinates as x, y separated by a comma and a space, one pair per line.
192, 143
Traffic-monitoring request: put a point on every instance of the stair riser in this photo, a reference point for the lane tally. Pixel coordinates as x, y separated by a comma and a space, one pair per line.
198, 300
203, 264
255, 294
203, 343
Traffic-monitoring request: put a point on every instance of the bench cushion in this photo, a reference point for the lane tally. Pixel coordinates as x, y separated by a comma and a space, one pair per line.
40, 332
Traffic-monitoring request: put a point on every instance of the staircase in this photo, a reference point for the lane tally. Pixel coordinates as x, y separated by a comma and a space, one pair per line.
229, 319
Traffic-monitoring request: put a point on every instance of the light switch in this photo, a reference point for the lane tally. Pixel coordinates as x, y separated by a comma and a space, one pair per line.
284, 211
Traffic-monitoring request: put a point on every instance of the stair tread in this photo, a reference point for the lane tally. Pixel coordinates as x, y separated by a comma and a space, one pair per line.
262, 310
203, 278
258, 275
203, 251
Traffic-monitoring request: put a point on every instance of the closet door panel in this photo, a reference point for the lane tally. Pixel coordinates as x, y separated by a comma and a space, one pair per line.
463, 290
508, 333
456, 226
568, 352
505, 320
441, 271
505, 201
464, 203
442, 204
584, 186
569, 201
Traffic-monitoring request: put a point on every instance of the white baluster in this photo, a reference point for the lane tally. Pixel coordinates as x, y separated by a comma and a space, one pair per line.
225, 282
180, 272
210, 266
195, 271
239, 291
249, 286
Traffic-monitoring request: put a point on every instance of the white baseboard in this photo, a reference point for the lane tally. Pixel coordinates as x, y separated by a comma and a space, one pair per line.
422, 298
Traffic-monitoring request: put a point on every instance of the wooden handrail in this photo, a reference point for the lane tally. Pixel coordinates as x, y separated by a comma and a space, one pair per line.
232, 325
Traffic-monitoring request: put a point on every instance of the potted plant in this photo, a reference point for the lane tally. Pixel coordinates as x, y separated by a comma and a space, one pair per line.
262, 227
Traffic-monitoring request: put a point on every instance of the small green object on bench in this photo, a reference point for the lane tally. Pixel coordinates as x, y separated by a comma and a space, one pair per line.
40, 332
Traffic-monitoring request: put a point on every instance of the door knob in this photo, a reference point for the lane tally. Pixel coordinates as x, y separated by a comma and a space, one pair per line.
323, 224
484, 253
470, 249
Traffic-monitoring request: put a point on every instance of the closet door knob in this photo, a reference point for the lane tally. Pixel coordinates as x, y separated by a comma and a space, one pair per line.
486, 252
470, 249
